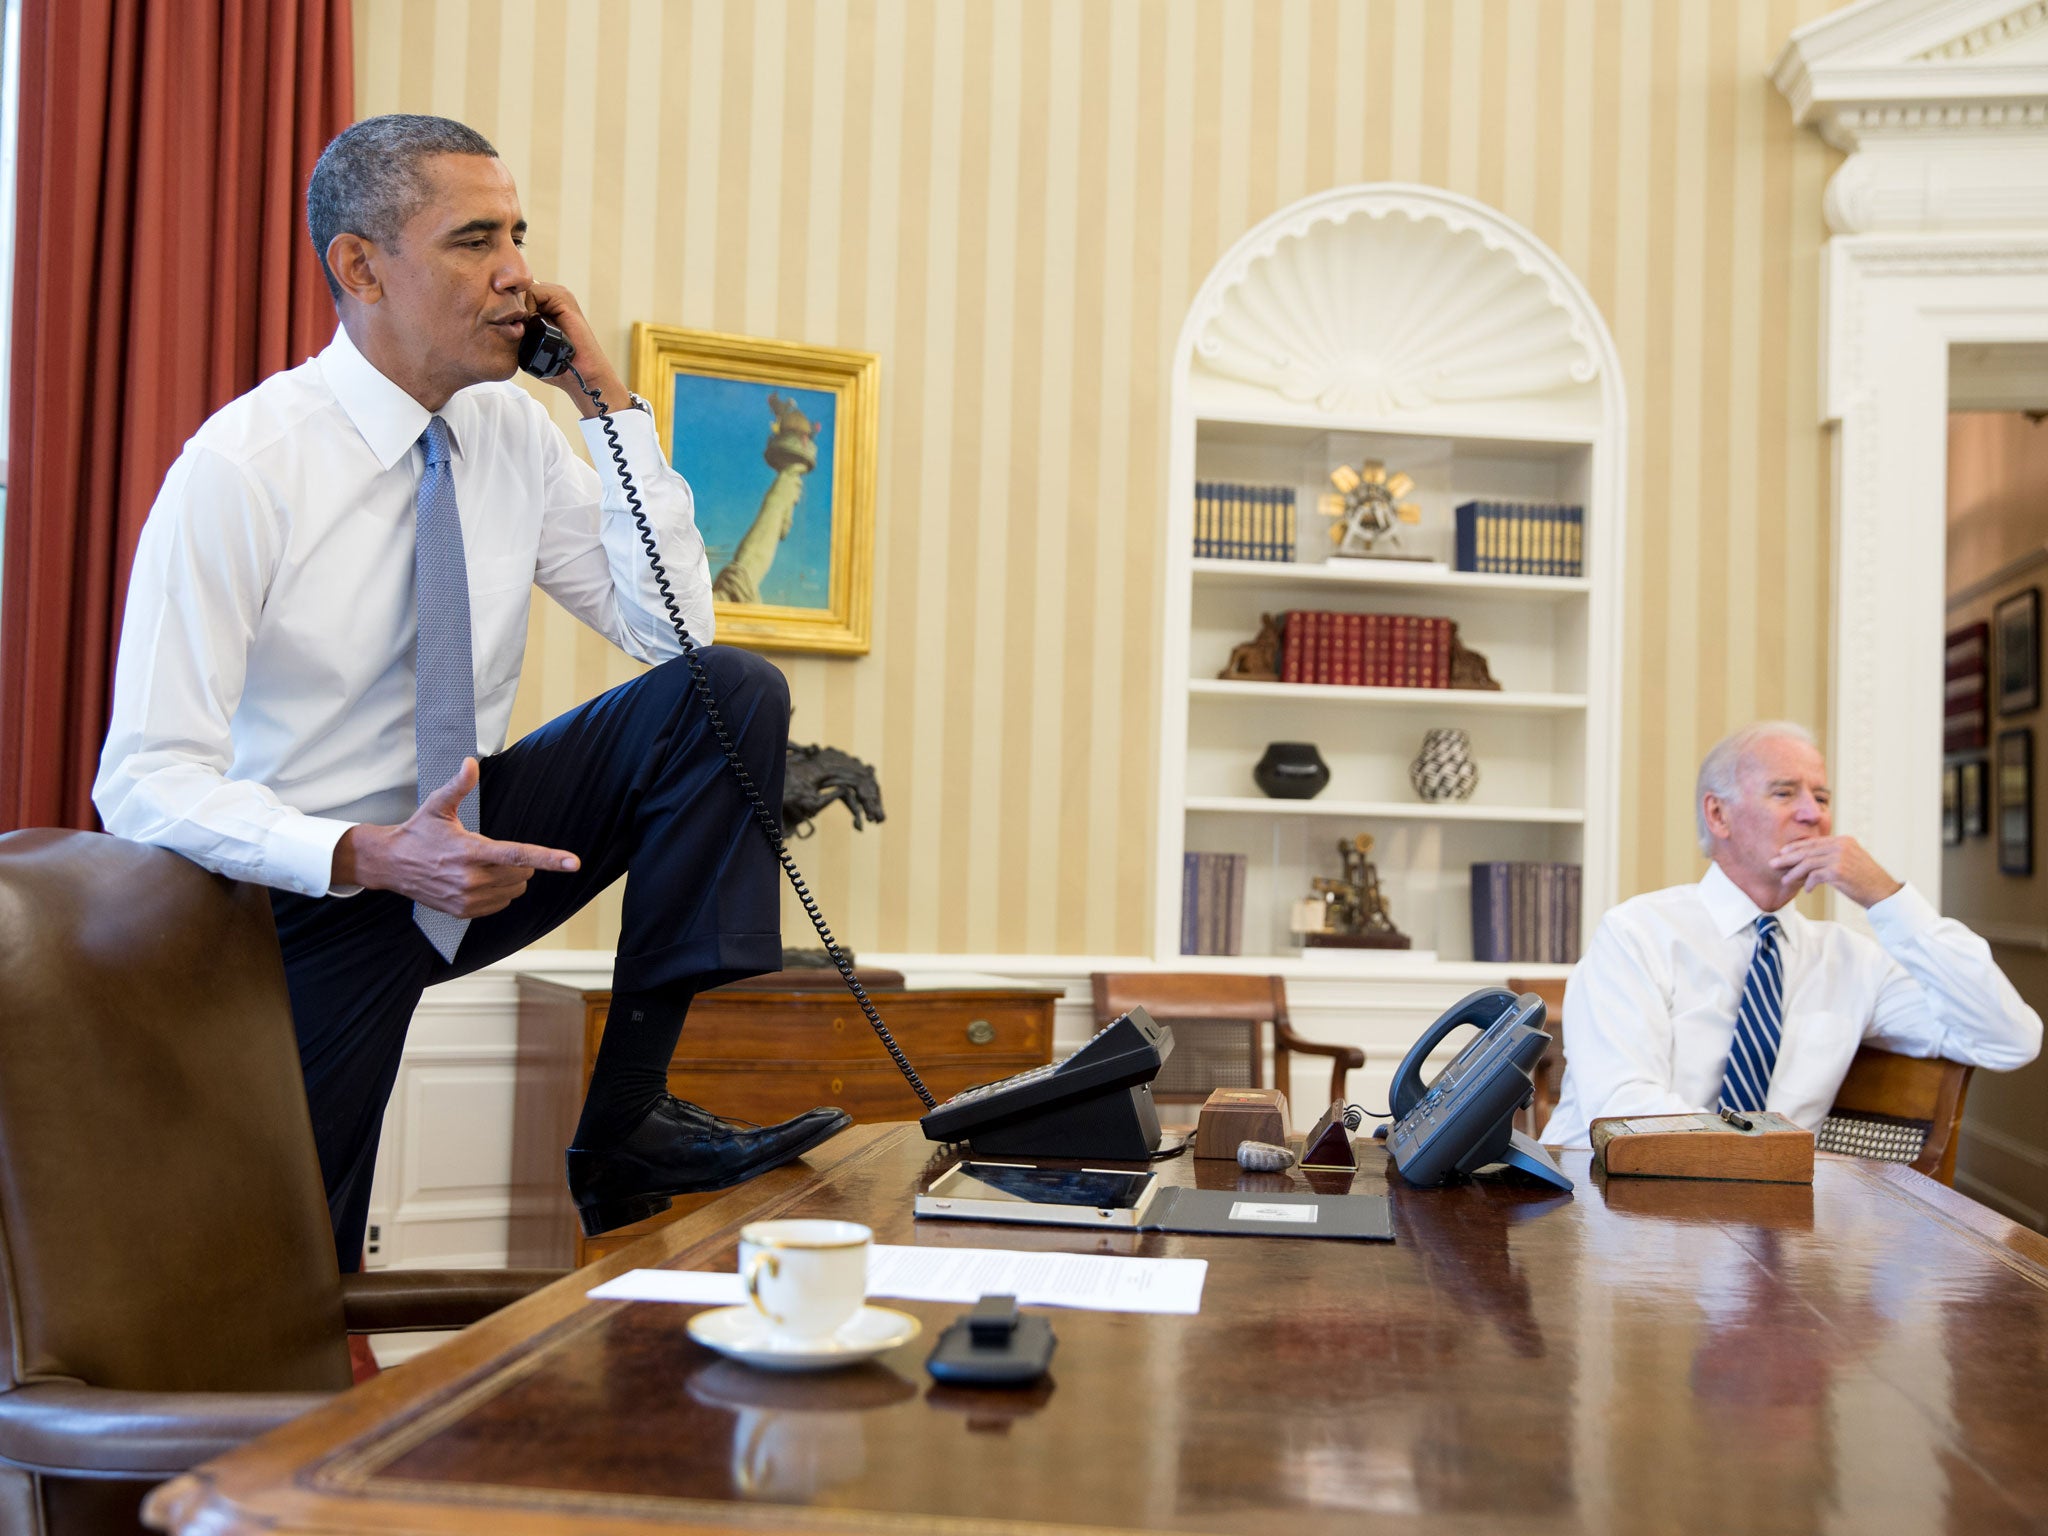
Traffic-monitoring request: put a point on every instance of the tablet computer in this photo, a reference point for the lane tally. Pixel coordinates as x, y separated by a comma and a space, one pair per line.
1065, 1197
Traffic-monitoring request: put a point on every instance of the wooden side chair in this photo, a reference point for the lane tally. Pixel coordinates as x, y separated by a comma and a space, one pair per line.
1549, 1072
1218, 1027
1899, 1109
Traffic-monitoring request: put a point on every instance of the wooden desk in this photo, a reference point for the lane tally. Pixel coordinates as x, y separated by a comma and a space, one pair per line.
760, 1053
1866, 1355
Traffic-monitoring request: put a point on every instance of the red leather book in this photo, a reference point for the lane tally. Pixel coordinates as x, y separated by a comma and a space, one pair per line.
1291, 646
1354, 649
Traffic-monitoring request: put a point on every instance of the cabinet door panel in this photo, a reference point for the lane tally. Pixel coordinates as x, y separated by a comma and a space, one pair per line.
774, 1029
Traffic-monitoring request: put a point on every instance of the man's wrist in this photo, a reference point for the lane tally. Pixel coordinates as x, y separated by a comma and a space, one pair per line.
355, 856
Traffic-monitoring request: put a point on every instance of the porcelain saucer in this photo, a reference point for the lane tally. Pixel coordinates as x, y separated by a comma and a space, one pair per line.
741, 1333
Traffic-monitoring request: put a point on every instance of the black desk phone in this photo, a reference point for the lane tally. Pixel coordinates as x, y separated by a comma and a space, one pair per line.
1463, 1119
1094, 1103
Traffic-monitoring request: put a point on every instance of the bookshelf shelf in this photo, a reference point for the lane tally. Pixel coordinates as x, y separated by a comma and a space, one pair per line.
1383, 810
1381, 574
1434, 701
1295, 358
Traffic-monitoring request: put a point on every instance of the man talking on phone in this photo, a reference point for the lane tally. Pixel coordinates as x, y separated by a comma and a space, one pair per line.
324, 630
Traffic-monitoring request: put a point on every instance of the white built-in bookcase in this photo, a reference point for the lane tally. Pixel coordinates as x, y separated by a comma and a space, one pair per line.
1423, 329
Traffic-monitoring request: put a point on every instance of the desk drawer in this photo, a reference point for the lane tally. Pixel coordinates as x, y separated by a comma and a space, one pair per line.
868, 1092
774, 1027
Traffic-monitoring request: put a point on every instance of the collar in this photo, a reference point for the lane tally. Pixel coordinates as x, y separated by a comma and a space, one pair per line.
1731, 911
388, 418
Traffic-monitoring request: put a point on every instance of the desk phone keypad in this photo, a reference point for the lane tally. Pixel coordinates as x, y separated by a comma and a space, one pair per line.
1018, 1079
982, 1091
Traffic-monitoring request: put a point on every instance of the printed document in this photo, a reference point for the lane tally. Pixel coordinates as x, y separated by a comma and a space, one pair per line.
1091, 1281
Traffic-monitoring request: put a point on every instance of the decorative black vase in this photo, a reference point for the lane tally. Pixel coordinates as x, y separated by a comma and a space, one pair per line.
1292, 770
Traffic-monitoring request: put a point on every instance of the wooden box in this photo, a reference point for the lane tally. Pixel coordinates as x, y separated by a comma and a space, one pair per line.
1703, 1146
1234, 1115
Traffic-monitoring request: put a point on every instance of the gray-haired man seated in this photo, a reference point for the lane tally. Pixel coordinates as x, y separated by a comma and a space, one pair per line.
1719, 994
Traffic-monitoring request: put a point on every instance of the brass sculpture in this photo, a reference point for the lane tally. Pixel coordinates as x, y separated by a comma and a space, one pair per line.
1353, 910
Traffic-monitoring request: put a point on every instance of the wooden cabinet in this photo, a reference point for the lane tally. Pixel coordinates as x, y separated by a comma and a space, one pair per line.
757, 1054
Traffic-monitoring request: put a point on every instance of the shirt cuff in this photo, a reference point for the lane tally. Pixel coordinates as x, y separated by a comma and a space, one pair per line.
1902, 916
301, 855
642, 444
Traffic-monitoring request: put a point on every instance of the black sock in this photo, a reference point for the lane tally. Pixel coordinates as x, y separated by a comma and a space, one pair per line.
631, 1071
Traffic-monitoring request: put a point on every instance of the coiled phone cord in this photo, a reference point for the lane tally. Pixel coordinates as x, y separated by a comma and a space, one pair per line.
763, 817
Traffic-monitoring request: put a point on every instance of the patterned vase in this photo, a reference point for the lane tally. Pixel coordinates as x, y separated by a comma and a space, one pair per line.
1444, 769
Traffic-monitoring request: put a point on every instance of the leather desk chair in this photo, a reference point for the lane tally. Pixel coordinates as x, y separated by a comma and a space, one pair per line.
170, 1277
1549, 1073
1904, 1109
1218, 1027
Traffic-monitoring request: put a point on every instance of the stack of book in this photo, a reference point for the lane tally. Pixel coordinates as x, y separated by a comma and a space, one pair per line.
1513, 538
1212, 904
1366, 650
1525, 912
1244, 522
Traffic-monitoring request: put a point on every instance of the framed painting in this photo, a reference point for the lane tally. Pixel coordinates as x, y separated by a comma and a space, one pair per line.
2013, 787
1951, 805
778, 442
1974, 817
2018, 623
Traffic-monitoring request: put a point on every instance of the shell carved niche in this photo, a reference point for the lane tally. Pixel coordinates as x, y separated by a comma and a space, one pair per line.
1388, 308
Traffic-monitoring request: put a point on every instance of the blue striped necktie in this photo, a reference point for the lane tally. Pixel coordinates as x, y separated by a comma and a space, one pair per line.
444, 705
1759, 1023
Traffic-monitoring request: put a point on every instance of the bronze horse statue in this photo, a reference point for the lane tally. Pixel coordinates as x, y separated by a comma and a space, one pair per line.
816, 777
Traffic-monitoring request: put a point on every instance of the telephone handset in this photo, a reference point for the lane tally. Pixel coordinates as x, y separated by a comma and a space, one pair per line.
545, 352
1463, 1119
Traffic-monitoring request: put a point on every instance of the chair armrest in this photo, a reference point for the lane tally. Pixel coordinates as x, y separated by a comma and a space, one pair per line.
1342, 1057
67, 1427
426, 1300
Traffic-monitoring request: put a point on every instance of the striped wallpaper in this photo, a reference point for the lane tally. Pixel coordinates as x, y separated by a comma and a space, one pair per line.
1013, 202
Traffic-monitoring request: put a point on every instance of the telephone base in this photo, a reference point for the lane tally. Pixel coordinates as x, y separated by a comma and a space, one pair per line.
1121, 1125
1534, 1159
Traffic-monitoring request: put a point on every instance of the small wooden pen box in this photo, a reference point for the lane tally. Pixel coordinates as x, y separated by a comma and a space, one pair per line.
1704, 1146
1232, 1115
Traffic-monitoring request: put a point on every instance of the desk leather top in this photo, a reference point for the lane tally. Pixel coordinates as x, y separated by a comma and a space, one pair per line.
1869, 1354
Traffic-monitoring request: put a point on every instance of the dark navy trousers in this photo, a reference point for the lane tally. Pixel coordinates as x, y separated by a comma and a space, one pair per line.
633, 783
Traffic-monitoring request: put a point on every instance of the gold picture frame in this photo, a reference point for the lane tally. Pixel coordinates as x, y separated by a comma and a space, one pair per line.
759, 428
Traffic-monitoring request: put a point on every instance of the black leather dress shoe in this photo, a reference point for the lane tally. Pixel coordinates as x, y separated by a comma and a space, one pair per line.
679, 1149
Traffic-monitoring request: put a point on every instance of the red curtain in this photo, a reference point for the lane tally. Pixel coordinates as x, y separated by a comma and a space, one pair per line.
161, 269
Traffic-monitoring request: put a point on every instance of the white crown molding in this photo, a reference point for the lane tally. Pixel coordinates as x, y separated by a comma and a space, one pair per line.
1460, 308
1940, 105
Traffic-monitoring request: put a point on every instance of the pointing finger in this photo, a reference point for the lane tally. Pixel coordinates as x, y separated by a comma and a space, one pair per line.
530, 856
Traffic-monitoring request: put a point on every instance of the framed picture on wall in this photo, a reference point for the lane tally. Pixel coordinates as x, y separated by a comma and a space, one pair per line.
1952, 804
778, 442
1972, 777
2017, 621
1966, 719
2014, 766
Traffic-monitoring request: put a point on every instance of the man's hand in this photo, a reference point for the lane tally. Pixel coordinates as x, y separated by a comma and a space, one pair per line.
434, 859
1806, 862
558, 306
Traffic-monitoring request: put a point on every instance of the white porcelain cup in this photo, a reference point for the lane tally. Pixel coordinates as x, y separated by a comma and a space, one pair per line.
807, 1278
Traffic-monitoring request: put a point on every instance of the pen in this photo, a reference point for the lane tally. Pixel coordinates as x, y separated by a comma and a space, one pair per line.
1740, 1122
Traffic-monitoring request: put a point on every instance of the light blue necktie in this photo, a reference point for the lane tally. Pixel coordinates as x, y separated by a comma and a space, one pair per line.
444, 704
1758, 1024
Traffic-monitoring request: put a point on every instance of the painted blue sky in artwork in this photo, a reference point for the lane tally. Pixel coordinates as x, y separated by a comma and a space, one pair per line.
720, 428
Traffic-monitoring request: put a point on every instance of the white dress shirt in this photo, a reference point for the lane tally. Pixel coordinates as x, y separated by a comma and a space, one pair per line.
1649, 1013
263, 690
